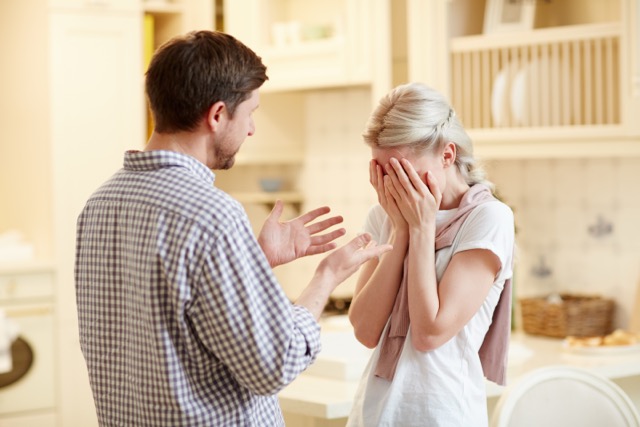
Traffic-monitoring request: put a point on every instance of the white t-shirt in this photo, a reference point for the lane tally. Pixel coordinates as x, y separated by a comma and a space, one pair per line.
445, 386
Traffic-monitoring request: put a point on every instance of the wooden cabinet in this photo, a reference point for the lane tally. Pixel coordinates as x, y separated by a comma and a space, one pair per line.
97, 113
307, 44
568, 87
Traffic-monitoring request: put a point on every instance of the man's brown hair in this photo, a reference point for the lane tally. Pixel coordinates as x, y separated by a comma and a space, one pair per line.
189, 73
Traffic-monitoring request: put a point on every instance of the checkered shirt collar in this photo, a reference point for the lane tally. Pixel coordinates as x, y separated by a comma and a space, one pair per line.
159, 159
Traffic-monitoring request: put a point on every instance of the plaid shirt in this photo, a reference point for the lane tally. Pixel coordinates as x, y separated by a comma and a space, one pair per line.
182, 322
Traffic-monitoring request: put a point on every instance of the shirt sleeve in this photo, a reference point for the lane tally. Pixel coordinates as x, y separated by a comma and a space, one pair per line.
490, 226
244, 318
373, 223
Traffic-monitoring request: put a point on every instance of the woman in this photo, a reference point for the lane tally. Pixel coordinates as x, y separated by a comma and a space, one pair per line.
427, 305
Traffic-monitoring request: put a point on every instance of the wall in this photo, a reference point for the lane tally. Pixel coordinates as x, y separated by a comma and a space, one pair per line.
576, 225
24, 122
337, 160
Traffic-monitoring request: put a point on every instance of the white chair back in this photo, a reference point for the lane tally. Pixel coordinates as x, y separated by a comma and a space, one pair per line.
562, 396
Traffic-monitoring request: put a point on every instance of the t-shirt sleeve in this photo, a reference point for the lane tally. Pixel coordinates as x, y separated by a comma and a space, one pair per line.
490, 226
373, 223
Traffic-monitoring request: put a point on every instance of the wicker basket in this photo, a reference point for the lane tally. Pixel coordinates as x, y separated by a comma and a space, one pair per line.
576, 315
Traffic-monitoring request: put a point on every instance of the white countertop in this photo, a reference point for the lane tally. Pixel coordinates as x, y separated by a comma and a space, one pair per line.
319, 397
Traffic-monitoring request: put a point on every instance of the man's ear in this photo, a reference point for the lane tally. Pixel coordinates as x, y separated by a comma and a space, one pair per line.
216, 115
449, 154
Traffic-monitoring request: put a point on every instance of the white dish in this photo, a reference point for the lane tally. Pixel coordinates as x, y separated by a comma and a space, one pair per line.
532, 76
500, 96
604, 350
533, 89
500, 108
520, 99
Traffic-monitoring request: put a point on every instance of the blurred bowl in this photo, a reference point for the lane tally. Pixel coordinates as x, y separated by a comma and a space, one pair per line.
271, 185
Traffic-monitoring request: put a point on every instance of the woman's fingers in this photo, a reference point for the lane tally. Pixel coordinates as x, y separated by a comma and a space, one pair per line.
399, 177
413, 176
373, 173
391, 191
434, 188
376, 178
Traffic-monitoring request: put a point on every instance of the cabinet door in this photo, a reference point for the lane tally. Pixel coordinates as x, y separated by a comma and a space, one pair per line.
97, 113
97, 102
306, 44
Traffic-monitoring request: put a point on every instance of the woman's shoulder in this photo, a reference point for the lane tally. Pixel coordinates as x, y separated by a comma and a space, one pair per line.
489, 226
489, 217
492, 210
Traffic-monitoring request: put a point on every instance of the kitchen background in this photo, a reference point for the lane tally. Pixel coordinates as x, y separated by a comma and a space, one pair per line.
564, 153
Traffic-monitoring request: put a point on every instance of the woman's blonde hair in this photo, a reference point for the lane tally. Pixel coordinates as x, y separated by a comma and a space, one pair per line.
419, 117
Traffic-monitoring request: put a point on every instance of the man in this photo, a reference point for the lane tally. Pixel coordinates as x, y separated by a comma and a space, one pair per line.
182, 322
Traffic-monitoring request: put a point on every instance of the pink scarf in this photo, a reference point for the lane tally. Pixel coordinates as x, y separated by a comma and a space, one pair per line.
494, 350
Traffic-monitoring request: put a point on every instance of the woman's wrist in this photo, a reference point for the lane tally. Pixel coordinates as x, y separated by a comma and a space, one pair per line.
422, 231
399, 237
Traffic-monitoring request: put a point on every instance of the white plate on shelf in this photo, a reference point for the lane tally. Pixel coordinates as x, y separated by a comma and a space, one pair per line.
522, 100
500, 96
532, 88
499, 108
604, 350
520, 96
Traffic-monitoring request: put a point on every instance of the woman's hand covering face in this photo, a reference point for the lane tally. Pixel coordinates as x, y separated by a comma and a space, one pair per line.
417, 200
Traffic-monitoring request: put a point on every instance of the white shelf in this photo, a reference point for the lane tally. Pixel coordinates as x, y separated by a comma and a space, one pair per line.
27, 266
539, 36
306, 48
269, 198
254, 156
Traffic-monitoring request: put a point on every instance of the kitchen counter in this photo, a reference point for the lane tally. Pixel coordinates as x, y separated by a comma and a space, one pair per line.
529, 352
323, 398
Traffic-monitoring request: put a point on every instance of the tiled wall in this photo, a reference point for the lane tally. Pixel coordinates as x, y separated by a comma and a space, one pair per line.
577, 220
577, 226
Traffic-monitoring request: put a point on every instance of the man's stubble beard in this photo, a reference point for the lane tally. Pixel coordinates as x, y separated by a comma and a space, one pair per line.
224, 161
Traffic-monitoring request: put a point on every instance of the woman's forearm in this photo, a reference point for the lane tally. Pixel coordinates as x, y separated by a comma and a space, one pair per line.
376, 292
439, 309
424, 301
